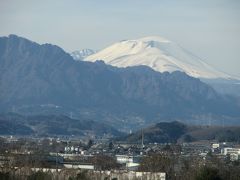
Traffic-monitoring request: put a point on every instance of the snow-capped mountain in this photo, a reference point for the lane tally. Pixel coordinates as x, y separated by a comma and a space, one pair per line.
80, 55
159, 54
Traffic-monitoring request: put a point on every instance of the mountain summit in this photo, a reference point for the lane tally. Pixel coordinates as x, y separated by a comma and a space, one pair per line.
79, 55
158, 53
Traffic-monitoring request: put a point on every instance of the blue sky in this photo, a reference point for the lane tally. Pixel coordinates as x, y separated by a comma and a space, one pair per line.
208, 28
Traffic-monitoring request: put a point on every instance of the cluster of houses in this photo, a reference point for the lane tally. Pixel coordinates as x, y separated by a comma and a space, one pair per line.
74, 154
130, 155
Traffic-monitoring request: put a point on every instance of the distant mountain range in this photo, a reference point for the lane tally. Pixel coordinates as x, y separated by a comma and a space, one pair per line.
50, 125
43, 79
172, 132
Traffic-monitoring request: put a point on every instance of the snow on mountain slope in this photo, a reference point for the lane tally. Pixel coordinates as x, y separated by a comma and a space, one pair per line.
159, 54
79, 55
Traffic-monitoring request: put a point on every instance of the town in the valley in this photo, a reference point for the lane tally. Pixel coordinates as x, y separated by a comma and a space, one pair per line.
103, 158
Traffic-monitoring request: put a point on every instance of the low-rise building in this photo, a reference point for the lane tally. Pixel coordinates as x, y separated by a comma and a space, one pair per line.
230, 151
78, 165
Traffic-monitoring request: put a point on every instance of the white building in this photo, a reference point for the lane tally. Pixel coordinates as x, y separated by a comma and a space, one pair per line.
78, 166
123, 159
132, 166
215, 145
231, 151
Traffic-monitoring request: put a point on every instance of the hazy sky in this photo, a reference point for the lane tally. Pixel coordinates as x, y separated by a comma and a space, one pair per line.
209, 28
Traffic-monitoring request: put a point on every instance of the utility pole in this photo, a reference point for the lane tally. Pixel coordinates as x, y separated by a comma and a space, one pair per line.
56, 161
57, 164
